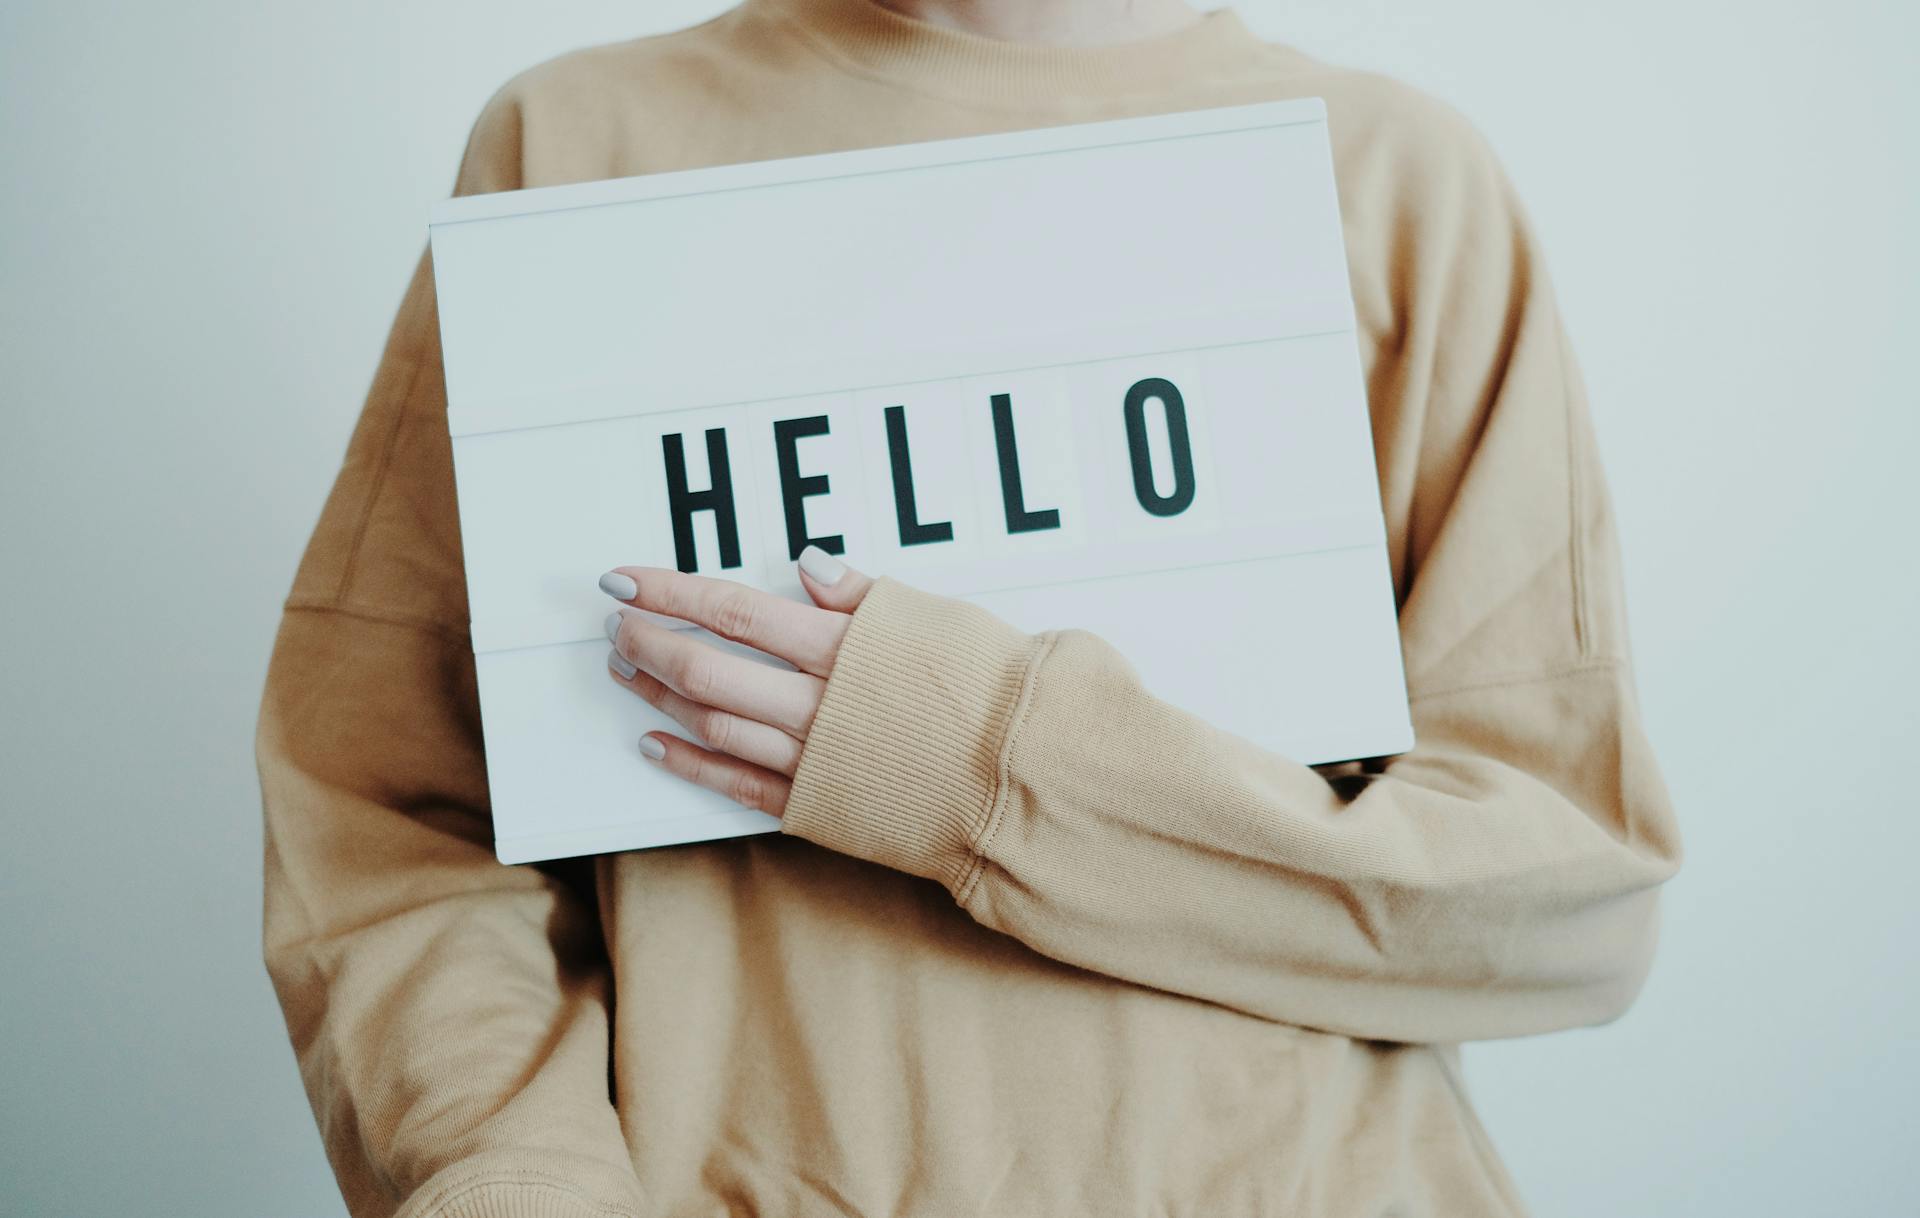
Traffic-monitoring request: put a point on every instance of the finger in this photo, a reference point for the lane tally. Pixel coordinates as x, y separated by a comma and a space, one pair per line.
712, 677
831, 583
747, 785
724, 732
802, 635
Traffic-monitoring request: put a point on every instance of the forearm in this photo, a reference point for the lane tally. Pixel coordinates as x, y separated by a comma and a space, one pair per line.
1486, 884
449, 1013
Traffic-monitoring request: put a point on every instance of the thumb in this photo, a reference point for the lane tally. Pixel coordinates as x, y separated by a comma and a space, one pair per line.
831, 583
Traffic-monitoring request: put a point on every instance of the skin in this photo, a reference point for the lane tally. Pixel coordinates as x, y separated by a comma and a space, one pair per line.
752, 719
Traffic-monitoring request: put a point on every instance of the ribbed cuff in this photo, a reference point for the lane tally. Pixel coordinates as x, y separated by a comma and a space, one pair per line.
904, 759
523, 1199
498, 1184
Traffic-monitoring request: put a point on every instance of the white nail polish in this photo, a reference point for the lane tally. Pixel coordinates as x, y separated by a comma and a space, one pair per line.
619, 587
821, 567
621, 665
652, 749
613, 626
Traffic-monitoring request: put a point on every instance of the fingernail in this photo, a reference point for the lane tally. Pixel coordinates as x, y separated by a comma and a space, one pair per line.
821, 567
613, 626
619, 587
652, 749
621, 665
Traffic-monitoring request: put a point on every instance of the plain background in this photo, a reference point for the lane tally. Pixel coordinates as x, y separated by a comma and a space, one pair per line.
209, 211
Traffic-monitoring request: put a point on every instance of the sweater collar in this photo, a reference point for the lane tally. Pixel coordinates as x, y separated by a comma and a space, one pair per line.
863, 35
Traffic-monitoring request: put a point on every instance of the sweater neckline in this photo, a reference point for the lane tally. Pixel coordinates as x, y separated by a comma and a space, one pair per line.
878, 41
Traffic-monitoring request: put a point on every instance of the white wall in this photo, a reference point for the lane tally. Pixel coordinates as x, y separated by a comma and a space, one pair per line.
208, 210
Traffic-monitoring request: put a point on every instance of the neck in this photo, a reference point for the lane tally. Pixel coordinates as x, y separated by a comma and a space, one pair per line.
1033, 55
1083, 23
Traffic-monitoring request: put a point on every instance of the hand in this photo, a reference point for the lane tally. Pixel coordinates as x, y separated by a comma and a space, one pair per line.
753, 717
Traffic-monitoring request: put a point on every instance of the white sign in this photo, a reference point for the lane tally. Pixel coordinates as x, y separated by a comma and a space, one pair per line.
1101, 376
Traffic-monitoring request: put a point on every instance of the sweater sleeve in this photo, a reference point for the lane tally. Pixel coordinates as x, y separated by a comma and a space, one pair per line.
1498, 879
449, 1014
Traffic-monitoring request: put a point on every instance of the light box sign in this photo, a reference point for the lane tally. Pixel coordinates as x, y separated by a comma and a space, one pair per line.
1102, 376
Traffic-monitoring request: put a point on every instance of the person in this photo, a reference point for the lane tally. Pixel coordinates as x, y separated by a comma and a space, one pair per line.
1030, 941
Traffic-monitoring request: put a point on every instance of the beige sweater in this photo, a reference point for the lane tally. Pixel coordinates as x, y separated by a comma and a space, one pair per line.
1032, 942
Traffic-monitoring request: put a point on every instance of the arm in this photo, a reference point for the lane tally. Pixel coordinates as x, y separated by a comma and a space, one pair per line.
1497, 880
449, 1013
